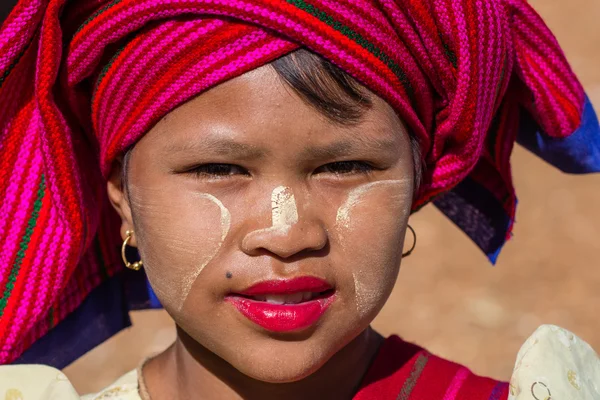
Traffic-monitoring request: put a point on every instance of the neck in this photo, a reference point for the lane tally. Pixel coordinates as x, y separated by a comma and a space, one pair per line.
188, 370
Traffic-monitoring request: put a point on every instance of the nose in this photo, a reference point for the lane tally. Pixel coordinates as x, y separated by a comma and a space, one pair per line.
286, 242
292, 231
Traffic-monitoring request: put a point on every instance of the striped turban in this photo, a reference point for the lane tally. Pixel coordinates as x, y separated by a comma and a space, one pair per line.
81, 81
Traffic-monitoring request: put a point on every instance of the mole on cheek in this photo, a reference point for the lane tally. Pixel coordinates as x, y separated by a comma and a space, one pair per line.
229, 275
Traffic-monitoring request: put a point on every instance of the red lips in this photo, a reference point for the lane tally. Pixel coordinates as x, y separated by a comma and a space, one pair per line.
287, 286
311, 297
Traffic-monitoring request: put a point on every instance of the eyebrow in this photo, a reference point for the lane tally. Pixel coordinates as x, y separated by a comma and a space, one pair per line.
243, 151
219, 146
346, 147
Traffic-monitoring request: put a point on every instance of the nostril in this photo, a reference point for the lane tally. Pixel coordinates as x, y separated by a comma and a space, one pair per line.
286, 241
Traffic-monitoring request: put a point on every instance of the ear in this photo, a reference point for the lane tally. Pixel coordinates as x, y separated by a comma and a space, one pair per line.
119, 199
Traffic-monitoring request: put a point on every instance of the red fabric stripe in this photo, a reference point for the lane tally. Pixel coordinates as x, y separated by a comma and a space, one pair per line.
285, 9
118, 66
476, 388
389, 371
572, 111
108, 125
9, 151
406, 64
21, 232
435, 379
221, 36
393, 365
25, 271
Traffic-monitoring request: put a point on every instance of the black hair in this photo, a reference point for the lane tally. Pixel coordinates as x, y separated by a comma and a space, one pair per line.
324, 86
329, 90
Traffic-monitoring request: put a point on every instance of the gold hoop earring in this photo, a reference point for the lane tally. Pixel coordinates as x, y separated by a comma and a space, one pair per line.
136, 265
414, 242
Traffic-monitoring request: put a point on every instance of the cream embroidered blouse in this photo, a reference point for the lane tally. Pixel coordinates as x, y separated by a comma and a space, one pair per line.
553, 364
41, 382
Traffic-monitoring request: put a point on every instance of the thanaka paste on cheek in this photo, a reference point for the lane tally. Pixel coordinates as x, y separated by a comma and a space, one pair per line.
362, 213
225, 224
178, 237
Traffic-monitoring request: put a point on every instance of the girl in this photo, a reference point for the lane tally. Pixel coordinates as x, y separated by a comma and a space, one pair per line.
264, 158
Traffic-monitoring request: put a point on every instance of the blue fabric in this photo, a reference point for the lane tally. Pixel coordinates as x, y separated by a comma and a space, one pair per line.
478, 214
139, 293
482, 216
578, 153
153, 300
101, 315
104, 313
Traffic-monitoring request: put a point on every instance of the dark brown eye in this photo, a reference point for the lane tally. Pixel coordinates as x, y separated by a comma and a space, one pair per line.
346, 167
216, 170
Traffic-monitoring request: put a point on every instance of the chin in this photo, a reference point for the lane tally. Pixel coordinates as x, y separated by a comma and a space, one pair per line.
282, 362
276, 372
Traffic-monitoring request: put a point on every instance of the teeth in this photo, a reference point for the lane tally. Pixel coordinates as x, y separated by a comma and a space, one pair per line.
294, 298
275, 298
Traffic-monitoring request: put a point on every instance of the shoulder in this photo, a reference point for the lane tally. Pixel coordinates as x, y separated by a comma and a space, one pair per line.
556, 362
35, 382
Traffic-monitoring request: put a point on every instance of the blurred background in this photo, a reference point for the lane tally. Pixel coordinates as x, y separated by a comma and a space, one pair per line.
448, 298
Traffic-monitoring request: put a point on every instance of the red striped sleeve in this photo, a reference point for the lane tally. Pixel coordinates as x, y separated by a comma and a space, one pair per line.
404, 371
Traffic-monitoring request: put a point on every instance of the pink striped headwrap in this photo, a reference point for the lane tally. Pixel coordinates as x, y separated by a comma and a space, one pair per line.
81, 81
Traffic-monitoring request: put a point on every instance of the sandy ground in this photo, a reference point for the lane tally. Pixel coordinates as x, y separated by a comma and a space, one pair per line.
448, 298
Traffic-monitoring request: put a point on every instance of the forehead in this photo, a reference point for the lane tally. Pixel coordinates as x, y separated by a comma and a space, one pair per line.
258, 108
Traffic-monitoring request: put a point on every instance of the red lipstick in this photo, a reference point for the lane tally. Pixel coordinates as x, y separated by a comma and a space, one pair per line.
284, 305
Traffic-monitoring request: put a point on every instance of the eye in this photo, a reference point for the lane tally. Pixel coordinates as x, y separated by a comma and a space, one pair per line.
216, 170
346, 168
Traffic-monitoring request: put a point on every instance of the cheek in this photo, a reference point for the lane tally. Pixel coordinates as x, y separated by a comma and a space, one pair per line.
370, 228
178, 237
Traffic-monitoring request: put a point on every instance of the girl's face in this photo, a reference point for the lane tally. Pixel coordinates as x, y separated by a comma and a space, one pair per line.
246, 197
